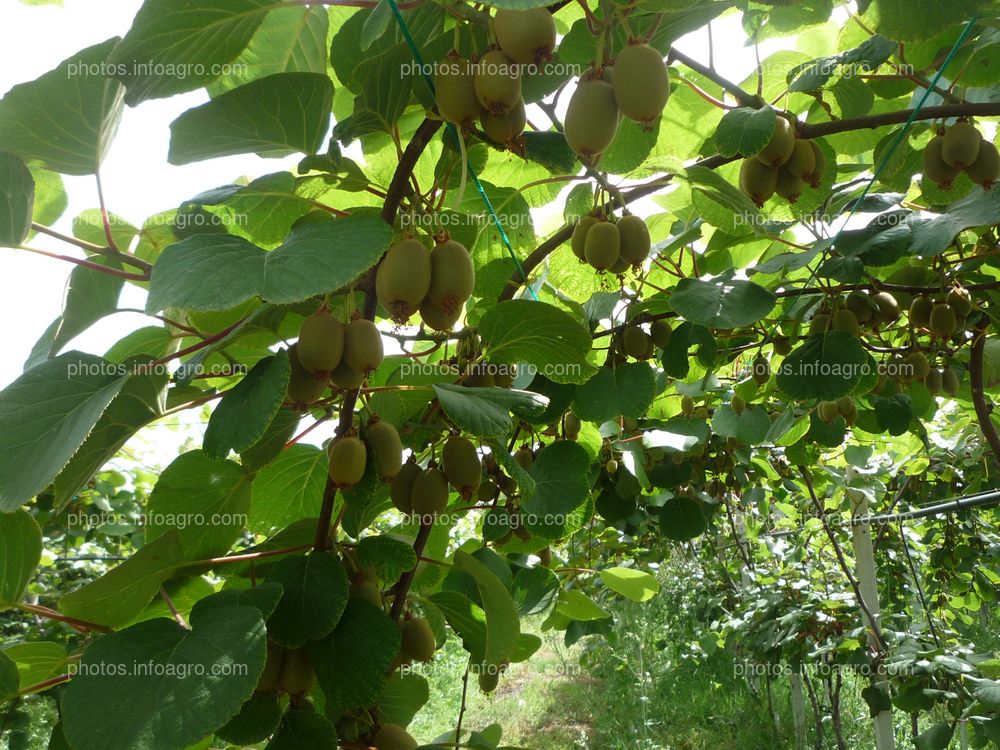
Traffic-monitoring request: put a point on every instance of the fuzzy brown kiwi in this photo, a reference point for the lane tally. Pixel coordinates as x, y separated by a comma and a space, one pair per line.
579, 238
985, 170
920, 311
827, 411
592, 119
779, 148
660, 331
572, 426
403, 278
820, 323
636, 343
758, 181
845, 320
949, 381
347, 378
489, 680
418, 639
917, 365
461, 465
760, 370
525, 36
505, 127
401, 489
960, 146
524, 458
687, 405
436, 318
934, 382
887, 307
943, 321
348, 456
321, 342
641, 83
860, 304
498, 82
960, 301
737, 404
816, 177
452, 276
430, 492
455, 90
393, 737
788, 186
303, 386
635, 241
802, 162
935, 168
363, 350
384, 443
367, 591
782, 345
603, 245
845, 404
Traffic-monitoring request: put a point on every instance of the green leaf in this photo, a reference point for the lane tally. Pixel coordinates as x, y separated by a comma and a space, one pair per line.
827, 367
893, 413
560, 472
623, 391
385, 92
36, 661
243, 415
485, 412
274, 116
301, 728
194, 42
979, 208
288, 489
402, 697
937, 737
749, 427
502, 623
257, 720
17, 199
119, 595
637, 585
576, 605
50, 196
36, 117
20, 552
45, 415
315, 596
218, 272
264, 598
112, 704
10, 681
206, 499
272, 443
722, 302
539, 334
744, 131
912, 21
391, 557
681, 519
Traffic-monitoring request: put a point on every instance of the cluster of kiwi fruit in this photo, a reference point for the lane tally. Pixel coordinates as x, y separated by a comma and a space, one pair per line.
424, 491
961, 148
784, 166
331, 352
636, 85
633, 341
436, 283
613, 246
844, 407
489, 90
286, 671
348, 454
476, 373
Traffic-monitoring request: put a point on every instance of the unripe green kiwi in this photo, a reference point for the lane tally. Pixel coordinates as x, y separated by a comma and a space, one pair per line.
591, 119
635, 241
303, 386
985, 170
393, 737
641, 83
455, 90
737, 404
660, 331
779, 148
917, 365
579, 239
297, 674
934, 382
949, 381
935, 168
489, 680
845, 404
524, 458
363, 346
572, 426
760, 370
943, 321
758, 181
820, 323
687, 405
960, 301
859, 304
816, 177
827, 411
505, 127
782, 345
403, 278
452, 276
788, 186
636, 343
525, 36
498, 82
887, 307
401, 489
960, 146
348, 457
270, 677
461, 465
437, 319
383, 440
603, 245
920, 311
346, 377
368, 592
418, 639
802, 162
321, 342
845, 320
430, 492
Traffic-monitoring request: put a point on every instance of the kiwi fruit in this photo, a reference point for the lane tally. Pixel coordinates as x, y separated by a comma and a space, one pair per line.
437, 319
297, 674
321, 342
935, 168
572, 426
452, 276
346, 377
737, 404
780, 146
578, 241
455, 90
660, 331
418, 639
845, 320
845, 405
393, 737
760, 370
943, 320
820, 324
504, 376
960, 145
591, 119
920, 311
303, 386
635, 241
949, 381
934, 382
368, 592
403, 278
985, 170
758, 181
505, 127
270, 677
641, 83
489, 680
802, 162
917, 365
782, 345
383, 441
524, 458
348, 457
363, 346
887, 308
788, 186
525, 36
401, 489
636, 343
497, 83
828, 411
461, 465
603, 245
819, 170
960, 301
687, 405
430, 492
860, 304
